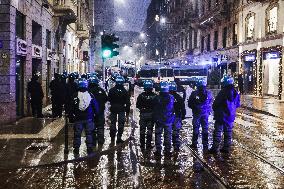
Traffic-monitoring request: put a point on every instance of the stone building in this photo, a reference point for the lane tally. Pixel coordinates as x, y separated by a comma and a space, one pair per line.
35, 37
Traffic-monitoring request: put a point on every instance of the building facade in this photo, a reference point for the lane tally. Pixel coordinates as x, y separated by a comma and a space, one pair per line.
35, 37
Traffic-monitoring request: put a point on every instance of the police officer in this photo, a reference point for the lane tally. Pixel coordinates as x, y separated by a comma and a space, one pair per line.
145, 104
119, 105
224, 107
83, 110
101, 97
36, 94
57, 95
180, 113
163, 115
200, 101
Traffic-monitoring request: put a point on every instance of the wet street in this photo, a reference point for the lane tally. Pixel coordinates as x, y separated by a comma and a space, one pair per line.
256, 161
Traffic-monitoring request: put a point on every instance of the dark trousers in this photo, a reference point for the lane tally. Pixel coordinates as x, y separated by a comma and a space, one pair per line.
57, 108
114, 118
36, 109
99, 129
200, 120
219, 128
176, 131
167, 129
146, 129
79, 126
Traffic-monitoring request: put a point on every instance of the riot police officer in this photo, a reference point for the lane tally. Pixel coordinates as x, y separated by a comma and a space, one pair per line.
71, 89
180, 113
101, 97
163, 116
119, 108
36, 94
225, 107
145, 104
57, 95
83, 110
200, 101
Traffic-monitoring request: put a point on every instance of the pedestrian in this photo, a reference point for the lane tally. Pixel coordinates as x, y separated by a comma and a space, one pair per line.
180, 113
225, 107
57, 95
241, 83
36, 96
71, 89
200, 101
101, 97
163, 115
119, 109
145, 104
84, 107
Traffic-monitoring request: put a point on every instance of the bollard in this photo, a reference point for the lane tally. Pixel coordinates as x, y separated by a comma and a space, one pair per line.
66, 135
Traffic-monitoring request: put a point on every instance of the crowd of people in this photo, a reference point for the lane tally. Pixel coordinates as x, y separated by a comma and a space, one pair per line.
84, 101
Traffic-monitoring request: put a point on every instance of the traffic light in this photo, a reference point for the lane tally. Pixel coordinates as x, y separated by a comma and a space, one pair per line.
109, 46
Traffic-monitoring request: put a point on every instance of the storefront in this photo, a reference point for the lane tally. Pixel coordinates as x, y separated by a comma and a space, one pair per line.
249, 72
271, 61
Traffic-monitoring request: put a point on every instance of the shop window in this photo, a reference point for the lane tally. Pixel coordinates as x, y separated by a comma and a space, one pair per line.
36, 34
272, 19
250, 25
20, 25
216, 40
48, 39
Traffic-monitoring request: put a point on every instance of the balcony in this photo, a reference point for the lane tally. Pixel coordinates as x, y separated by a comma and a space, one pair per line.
82, 31
212, 17
65, 10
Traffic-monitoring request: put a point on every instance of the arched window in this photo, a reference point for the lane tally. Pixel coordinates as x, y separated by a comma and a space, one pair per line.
272, 19
250, 26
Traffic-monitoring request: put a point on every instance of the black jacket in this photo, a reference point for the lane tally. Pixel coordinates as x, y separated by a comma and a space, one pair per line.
101, 97
35, 89
71, 89
145, 102
58, 91
179, 106
119, 99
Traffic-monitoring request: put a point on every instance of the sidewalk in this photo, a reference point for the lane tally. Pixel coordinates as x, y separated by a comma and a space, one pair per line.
266, 105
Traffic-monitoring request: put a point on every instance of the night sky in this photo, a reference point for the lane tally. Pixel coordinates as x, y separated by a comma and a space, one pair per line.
132, 12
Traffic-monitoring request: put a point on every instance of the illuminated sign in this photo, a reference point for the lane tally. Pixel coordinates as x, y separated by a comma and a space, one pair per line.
271, 55
21, 47
250, 58
36, 51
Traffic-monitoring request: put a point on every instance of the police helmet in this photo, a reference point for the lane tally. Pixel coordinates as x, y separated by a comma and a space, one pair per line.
119, 80
84, 76
227, 80
173, 86
148, 84
94, 80
164, 87
201, 82
83, 83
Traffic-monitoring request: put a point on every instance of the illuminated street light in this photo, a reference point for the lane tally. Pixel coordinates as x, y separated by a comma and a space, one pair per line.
163, 20
142, 35
120, 21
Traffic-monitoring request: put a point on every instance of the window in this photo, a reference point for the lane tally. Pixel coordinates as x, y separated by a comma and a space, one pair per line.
272, 19
20, 25
235, 34
225, 32
202, 43
208, 42
216, 40
48, 39
195, 39
250, 21
209, 4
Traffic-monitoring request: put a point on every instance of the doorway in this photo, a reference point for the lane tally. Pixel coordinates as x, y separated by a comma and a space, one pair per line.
20, 62
248, 77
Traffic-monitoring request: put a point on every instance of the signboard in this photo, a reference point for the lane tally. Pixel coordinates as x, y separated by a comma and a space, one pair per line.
36, 51
224, 59
271, 55
48, 54
21, 47
249, 58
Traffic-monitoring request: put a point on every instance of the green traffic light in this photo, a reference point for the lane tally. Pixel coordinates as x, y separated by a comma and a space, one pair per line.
106, 53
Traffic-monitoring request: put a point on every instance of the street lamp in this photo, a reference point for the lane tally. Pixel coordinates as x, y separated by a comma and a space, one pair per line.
142, 35
163, 20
